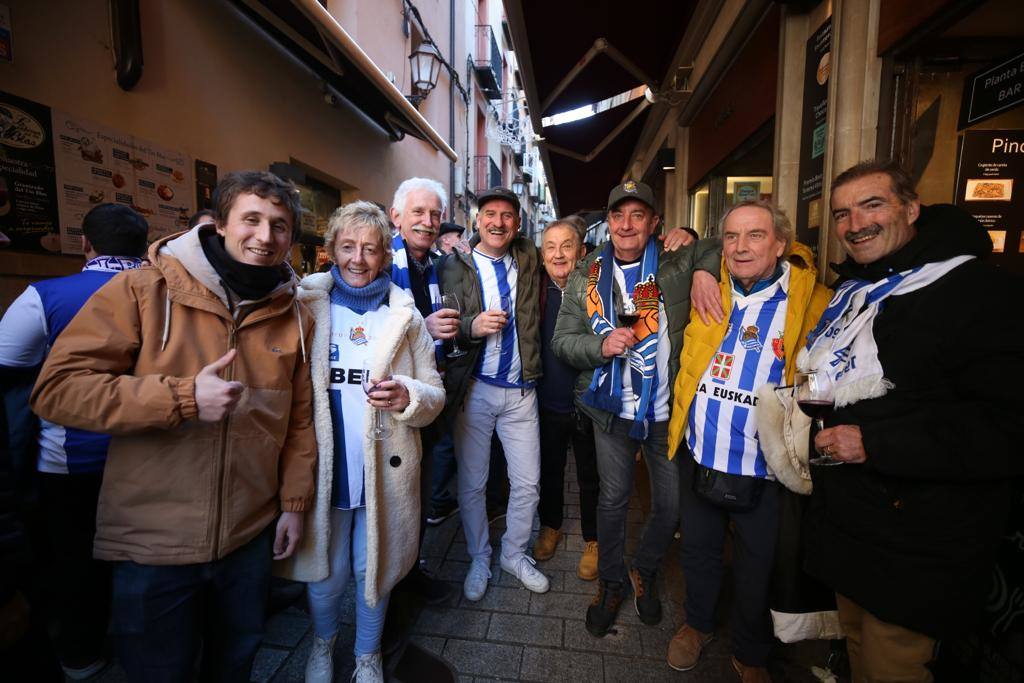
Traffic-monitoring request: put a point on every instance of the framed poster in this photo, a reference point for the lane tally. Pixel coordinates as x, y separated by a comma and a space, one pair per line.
96, 164
814, 135
28, 188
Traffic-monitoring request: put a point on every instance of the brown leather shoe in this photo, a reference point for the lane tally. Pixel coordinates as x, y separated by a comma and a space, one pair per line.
685, 647
547, 543
751, 674
587, 569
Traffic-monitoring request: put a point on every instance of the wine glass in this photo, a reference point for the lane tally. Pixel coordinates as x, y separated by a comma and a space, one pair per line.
503, 303
378, 431
451, 301
815, 396
627, 315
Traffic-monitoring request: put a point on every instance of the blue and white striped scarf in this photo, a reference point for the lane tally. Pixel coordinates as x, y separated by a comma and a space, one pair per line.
400, 276
843, 343
113, 264
605, 390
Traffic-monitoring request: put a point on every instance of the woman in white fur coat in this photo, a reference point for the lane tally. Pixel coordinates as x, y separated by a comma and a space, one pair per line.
365, 521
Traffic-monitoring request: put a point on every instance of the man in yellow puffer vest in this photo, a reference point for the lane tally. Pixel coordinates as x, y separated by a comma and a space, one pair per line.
773, 300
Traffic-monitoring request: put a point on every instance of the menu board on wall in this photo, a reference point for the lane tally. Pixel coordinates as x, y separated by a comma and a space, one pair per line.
990, 187
98, 164
28, 188
813, 135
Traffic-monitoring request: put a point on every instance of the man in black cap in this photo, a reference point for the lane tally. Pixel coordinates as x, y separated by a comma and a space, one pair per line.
491, 386
450, 235
621, 324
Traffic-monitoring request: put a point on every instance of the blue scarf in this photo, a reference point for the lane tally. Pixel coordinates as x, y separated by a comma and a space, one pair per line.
400, 276
605, 390
359, 299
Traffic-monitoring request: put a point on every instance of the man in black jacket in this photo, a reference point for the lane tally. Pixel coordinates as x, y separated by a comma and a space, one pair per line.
923, 343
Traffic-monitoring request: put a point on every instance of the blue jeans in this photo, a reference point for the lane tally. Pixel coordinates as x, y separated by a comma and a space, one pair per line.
347, 557
616, 464
704, 527
161, 613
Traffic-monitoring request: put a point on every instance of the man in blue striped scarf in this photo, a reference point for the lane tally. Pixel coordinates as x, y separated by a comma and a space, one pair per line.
621, 324
417, 209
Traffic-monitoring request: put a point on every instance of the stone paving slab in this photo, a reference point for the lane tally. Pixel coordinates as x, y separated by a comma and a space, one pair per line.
524, 629
482, 658
560, 665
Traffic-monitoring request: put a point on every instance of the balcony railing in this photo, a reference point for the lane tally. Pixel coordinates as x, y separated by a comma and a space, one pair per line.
487, 62
486, 174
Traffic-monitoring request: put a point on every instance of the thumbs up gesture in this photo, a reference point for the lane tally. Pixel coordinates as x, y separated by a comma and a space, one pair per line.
215, 397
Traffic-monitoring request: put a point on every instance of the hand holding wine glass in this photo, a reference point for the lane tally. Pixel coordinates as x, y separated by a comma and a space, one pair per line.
452, 301
378, 432
815, 395
500, 304
627, 315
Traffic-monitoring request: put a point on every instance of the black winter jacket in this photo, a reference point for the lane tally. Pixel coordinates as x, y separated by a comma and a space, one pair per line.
911, 534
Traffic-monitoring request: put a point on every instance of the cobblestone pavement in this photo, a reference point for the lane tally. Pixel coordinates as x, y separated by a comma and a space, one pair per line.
513, 634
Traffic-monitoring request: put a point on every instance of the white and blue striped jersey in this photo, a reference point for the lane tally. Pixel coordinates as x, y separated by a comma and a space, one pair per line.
658, 408
351, 337
499, 362
28, 330
721, 429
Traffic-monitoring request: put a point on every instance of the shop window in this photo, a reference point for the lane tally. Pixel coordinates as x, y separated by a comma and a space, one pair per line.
934, 113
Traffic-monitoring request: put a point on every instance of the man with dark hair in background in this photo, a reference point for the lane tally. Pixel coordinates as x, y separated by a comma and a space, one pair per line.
70, 461
197, 366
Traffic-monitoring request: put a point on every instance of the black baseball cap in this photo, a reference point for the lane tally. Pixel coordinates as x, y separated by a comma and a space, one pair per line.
451, 227
632, 190
498, 193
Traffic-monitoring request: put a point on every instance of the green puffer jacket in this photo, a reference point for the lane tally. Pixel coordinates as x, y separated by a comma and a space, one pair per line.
459, 277
575, 341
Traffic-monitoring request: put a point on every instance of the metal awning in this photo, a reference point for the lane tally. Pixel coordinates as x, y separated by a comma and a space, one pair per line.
309, 32
640, 37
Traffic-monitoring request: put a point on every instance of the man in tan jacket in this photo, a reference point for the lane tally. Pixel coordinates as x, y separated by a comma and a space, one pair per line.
197, 366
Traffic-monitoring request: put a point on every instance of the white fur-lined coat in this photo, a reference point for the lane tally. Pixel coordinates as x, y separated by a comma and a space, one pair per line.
392, 466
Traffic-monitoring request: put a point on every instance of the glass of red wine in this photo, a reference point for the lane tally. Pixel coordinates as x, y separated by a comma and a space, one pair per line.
627, 315
814, 394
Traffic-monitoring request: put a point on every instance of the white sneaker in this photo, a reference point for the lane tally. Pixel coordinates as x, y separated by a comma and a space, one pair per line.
528, 575
475, 584
368, 669
320, 665
84, 672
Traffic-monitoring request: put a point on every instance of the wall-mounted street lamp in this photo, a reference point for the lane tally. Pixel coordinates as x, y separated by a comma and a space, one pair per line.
518, 186
425, 64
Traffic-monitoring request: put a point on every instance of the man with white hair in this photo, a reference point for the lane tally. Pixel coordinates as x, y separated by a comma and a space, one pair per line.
417, 209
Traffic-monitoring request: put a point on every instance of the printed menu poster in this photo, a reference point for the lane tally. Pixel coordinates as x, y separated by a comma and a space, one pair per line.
98, 164
28, 188
990, 187
814, 135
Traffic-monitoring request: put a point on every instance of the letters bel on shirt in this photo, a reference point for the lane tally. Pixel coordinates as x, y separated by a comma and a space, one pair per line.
352, 335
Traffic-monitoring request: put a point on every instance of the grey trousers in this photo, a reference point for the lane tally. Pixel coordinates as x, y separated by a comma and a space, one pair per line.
513, 413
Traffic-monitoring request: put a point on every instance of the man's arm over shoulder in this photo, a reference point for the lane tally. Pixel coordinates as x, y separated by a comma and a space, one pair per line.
575, 342
86, 381
297, 464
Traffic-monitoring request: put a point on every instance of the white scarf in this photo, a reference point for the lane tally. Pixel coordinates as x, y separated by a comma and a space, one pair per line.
843, 343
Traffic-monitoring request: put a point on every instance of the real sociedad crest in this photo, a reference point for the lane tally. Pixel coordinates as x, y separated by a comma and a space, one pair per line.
357, 335
749, 338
